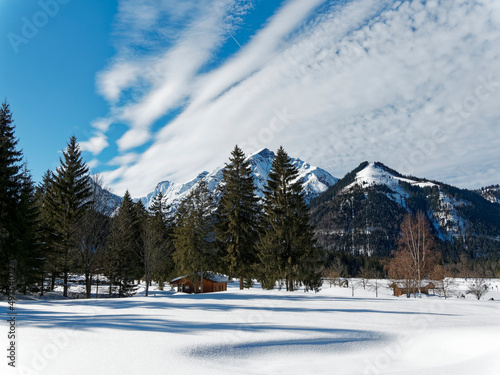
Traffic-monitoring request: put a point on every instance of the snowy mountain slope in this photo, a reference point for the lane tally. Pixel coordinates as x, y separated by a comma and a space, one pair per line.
315, 180
444, 213
378, 174
490, 193
363, 211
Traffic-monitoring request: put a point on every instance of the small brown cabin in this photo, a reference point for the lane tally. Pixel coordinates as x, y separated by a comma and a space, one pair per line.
398, 291
211, 283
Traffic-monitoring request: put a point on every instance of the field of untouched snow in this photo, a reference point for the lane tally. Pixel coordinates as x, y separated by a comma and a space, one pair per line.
257, 332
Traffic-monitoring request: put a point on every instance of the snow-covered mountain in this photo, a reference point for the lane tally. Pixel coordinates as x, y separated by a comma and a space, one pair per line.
490, 193
314, 180
363, 211
444, 214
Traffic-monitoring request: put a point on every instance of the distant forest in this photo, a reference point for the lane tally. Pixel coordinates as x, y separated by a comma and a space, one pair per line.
69, 224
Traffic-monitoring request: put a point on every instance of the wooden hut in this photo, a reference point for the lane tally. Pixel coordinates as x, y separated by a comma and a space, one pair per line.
399, 291
211, 283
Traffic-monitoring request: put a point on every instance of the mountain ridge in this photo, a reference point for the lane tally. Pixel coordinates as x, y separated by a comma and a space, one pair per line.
363, 211
314, 179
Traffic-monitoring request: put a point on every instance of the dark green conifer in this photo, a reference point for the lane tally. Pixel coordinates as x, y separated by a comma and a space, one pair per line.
19, 235
160, 235
237, 218
68, 197
287, 247
193, 234
123, 263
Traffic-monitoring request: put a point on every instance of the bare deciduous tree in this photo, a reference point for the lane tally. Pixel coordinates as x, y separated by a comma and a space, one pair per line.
414, 257
92, 230
477, 287
444, 283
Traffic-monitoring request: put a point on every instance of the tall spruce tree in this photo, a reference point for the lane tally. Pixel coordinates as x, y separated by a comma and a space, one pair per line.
161, 227
93, 231
10, 164
122, 261
19, 244
193, 234
49, 239
68, 197
30, 257
237, 218
287, 247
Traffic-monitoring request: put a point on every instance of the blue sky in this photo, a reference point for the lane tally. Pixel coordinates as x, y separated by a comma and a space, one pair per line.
158, 90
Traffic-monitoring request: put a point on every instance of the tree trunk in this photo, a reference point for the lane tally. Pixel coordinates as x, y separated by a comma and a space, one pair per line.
147, 285
41, 290
88, 284
65, 286
53, 281
241, 282
201, 285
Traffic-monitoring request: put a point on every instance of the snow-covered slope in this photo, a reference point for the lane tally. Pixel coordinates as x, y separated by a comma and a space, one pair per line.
363, 211
444, 214
378, 174
315, 180
490, 193
243, 332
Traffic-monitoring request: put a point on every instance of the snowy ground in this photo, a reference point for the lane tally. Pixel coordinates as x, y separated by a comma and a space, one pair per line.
257, 332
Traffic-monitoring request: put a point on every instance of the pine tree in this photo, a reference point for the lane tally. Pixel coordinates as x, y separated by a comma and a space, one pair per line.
68, 198
161, 234
19, 236
287, 248
48, 237
123, 263
237, 217
92, 233
28, 232
10, 159
193, 233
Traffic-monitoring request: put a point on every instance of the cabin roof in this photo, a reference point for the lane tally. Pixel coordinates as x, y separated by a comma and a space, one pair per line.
207, 276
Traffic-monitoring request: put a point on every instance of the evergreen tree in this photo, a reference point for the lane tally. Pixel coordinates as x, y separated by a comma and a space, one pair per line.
287, 248
10, 164
30, 257
48, 237
161, 233
68, 198
237, 217
193, 233
123, 263
92, 233
19, 235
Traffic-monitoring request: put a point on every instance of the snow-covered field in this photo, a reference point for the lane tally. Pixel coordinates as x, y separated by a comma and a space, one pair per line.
257, 332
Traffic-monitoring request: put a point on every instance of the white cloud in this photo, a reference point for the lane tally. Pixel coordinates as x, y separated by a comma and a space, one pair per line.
161, 80
96, 144
102, 124
93, 164
124, 159
370, 80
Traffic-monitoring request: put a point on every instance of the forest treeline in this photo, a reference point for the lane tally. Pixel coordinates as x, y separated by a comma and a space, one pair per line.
69, 224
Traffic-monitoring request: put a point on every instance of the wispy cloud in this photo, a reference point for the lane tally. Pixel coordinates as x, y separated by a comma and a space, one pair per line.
369, 79
161, 78
96, 144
